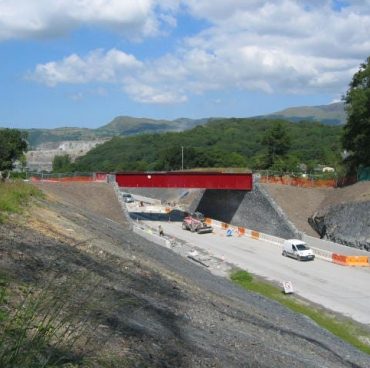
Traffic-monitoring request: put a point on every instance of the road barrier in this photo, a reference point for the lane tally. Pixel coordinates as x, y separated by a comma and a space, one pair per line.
350, 260
326, 255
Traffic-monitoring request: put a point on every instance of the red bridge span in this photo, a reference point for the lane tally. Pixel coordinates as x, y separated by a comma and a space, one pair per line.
185, 179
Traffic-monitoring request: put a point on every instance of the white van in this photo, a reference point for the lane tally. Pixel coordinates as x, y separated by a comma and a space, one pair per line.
297, 249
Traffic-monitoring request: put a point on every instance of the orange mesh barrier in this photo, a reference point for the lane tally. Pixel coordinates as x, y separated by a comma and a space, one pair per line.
255, 234
299, 182
224, 226
66, 179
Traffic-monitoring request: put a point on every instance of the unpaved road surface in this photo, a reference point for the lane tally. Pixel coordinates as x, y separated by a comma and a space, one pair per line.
151, 307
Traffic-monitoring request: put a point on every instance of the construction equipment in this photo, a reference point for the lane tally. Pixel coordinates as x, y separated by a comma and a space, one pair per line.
195, 222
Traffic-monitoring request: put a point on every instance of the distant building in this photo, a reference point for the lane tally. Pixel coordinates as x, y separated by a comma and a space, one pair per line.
324, 169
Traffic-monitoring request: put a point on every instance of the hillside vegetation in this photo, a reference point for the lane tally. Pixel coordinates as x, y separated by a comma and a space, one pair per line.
221, 143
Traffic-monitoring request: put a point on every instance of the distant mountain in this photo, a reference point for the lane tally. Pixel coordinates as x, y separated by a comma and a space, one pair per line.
333, 114
126, 125
120, 126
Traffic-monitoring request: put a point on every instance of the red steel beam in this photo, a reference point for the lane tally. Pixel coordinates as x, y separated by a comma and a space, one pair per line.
186, 179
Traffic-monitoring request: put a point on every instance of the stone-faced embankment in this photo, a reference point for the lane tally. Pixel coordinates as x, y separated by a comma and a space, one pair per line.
345, 223
252, 210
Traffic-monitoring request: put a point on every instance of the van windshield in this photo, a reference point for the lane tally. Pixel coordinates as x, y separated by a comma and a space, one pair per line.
301, 247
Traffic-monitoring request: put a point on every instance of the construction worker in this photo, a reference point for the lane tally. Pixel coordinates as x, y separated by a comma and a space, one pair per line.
160, 230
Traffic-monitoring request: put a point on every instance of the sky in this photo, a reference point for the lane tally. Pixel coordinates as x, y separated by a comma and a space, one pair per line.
83, 62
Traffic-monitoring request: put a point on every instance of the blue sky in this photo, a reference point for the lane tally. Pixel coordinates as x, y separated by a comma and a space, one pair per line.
84, 62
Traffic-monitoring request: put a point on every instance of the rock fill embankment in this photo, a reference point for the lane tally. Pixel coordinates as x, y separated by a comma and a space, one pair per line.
345, 223
253, 210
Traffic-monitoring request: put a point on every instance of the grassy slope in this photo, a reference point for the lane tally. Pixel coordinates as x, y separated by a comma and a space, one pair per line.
345, 329
15, 196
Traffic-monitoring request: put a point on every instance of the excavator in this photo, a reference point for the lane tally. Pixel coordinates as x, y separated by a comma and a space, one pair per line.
195, 222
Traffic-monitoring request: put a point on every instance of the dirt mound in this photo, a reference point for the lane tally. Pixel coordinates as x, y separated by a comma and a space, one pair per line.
143, 305
359, 192
99, 198
300, 204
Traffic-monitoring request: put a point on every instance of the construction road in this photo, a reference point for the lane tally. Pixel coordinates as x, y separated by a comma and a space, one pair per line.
342, 289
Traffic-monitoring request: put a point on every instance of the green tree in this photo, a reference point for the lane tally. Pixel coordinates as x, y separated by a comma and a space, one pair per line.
62, 164
356, 137
13, 144
278, 143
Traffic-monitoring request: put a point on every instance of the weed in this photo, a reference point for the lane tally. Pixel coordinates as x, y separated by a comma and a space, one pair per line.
14, 196
49, 327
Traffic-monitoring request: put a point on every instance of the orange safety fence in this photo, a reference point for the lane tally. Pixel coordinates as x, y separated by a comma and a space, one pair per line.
299, 182
64, 179
101, 177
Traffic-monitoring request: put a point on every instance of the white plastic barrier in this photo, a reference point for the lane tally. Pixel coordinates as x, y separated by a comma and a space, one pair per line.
323, 254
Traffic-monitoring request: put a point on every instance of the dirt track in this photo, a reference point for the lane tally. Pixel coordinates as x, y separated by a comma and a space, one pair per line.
151, 307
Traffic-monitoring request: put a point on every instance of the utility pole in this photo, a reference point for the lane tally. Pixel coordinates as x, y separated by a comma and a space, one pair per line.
182, 158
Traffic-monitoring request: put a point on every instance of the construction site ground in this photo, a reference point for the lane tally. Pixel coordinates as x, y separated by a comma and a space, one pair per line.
146, 306
301, 203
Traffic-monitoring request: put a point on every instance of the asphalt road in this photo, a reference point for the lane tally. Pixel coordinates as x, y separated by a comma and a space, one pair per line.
345, 290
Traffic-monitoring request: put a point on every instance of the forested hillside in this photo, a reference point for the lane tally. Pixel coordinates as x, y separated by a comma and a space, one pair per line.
222, 143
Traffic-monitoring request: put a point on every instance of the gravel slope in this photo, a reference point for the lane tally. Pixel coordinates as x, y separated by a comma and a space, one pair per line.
340, 215
298, 203
154, 307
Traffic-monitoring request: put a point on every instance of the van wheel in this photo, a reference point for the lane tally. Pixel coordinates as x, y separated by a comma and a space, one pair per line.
284, 253
298, 258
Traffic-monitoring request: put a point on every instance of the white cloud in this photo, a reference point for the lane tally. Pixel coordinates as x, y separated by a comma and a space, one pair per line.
147, 94
274, 46
97, 66
45, 18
